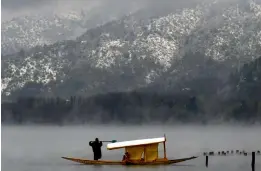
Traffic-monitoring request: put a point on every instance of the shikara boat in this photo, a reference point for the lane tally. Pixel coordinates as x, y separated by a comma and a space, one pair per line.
142, 152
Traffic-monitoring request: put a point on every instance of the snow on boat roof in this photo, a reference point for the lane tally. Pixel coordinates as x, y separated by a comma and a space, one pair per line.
124, 144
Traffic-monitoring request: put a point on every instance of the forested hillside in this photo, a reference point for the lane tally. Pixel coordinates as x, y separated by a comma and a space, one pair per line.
136, 51
237, 100
200, 63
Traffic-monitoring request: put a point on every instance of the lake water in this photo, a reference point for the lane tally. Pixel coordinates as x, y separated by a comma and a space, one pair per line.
40, 148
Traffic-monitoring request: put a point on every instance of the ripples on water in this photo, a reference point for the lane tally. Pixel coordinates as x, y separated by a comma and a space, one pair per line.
29, 148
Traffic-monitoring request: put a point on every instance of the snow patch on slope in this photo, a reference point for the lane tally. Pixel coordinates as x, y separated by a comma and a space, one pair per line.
32, 69
238, 36
167, 35
108, 52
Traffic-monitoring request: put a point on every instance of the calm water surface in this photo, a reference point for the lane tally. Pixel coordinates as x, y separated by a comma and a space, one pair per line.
40, 148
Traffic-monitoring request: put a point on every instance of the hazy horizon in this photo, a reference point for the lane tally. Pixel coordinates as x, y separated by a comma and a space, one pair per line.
80, 67
41, 148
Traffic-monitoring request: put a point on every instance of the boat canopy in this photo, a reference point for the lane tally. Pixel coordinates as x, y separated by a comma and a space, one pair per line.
138, 149
133, 143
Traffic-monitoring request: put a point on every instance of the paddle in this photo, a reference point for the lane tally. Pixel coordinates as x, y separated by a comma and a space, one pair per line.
112, 141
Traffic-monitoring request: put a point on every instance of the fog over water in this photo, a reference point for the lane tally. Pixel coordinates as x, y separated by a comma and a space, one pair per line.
40, 148
30, 148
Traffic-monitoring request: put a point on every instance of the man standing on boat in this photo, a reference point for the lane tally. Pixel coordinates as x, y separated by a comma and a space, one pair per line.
96, 148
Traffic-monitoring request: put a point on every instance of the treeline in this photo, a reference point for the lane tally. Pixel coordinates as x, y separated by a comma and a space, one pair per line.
128, 108
131, 107
245, 96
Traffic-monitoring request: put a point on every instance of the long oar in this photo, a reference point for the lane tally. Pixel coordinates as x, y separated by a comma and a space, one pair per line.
112, 141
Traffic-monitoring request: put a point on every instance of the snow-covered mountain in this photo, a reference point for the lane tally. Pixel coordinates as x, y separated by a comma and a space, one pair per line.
133, 52
27, 31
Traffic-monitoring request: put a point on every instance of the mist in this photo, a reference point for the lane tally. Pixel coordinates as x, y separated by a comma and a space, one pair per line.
41, 148
17, 8
31, 147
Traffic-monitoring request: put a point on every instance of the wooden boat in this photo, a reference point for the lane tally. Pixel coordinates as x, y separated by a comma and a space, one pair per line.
142, 152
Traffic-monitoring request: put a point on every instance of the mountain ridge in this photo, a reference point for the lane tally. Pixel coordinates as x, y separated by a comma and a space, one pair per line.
127, 54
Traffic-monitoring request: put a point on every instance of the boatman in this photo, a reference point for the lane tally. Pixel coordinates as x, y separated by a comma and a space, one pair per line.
126, 157
96, 148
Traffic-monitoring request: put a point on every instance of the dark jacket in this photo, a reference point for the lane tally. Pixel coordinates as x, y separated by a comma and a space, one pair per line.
96, 148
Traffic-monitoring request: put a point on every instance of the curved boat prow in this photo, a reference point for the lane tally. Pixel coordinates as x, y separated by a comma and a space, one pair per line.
182, 159
108, 162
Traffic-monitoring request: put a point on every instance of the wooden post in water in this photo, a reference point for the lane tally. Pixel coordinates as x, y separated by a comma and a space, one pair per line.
164, 143
253, 161
206, 161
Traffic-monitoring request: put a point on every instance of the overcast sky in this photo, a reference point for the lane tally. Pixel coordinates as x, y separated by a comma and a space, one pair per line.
13, 8
25, 4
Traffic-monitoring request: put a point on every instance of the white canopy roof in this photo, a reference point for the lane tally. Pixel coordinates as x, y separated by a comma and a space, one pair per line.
124, 144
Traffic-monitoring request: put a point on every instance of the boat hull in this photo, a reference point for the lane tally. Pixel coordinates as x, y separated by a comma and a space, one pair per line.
107, 162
